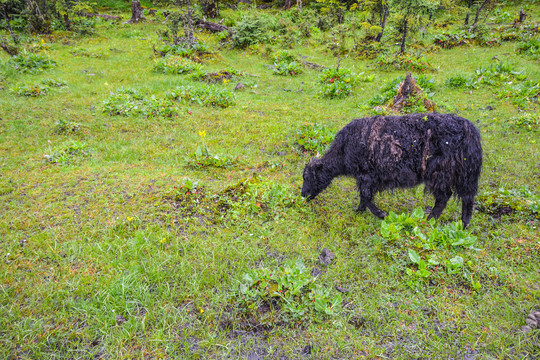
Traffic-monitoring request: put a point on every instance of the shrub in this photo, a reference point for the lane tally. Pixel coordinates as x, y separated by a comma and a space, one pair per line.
31, 63
196, 52
172, 64
250, 31
403, 62
314, 138
286, 64
207, 95
451, 40
130, 102
288, 294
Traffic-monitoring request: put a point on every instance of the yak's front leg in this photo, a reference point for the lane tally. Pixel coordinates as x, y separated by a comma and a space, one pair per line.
367, 192
441, 199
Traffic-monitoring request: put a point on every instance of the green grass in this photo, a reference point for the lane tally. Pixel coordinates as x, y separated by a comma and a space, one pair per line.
87, 240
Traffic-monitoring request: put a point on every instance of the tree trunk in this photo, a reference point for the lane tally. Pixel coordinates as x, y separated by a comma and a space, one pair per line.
522, 16
383, 24
213, 27
299, 4
469, 4
15, 40
210, 8
136, 13
478, 12
287, 4
66, 22
402, 49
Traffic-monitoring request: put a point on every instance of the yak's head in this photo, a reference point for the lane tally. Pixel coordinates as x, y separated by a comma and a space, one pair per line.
315, 180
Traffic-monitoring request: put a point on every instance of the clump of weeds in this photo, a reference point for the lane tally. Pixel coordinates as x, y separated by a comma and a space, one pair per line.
286, 295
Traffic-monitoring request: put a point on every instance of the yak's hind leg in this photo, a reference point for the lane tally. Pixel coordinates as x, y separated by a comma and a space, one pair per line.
441, 199
466, 210
367, 190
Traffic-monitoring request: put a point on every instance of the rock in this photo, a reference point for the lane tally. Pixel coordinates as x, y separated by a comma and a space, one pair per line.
357, 321
120, 319
326, 257
315, 272
239, 86
342, 289
307, 350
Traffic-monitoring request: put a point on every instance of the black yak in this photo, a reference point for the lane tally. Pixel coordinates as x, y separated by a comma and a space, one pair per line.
443, 151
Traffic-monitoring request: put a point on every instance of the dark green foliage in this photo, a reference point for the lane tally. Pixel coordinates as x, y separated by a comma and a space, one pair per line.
250, 31
31, 63
451, 40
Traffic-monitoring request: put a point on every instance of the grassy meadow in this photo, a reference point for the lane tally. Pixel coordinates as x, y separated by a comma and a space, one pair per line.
130, 237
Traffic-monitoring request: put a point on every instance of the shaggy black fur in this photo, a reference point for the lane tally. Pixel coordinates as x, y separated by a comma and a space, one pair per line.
443, 151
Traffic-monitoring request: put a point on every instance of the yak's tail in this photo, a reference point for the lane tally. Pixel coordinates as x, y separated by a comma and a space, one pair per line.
466, 185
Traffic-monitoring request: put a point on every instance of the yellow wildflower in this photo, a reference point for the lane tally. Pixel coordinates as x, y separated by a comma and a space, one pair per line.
202, 133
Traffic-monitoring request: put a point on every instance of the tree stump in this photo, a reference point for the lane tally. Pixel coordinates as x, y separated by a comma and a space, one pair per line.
409, 90
136, 13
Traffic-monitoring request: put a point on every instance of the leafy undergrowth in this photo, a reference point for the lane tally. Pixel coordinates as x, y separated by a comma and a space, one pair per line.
338, 83
406, 62
286, 295
205, 95
528, 121
314, 138
41, 89
172, 64
503, 202
132, 102
530, 47
69, 154
31, 63
248, 198
430, 254
286, 64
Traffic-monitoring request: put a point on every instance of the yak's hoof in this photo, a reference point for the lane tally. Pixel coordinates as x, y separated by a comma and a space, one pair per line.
360, 209
380, 214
